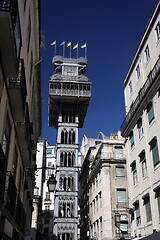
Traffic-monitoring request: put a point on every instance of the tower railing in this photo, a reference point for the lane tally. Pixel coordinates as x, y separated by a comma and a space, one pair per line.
69, 89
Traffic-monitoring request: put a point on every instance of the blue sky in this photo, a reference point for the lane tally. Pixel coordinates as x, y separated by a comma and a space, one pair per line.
112, 31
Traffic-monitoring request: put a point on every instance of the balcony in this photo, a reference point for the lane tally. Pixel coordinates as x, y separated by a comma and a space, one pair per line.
147, 88
24, 137
58, 89
10, 194
17, 93
10, 39
3, 168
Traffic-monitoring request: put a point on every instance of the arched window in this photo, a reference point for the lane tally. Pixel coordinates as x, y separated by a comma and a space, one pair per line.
65, 159
61, 183
73, 137
62, 137
69, 160
65, 184
70, 137
73, 159
62, 159
66, 137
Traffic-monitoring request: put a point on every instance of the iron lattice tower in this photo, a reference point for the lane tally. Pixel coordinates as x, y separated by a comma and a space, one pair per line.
69, 95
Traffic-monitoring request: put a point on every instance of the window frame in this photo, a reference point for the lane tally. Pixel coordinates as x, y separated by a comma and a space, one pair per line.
147, 54
150, 112
123, 173
118, 190
157, 31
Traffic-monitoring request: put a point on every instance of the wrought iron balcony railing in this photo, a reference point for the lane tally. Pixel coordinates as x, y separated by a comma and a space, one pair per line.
69, 89
9, 6
142, 93
3, 168
19, 83
10, 194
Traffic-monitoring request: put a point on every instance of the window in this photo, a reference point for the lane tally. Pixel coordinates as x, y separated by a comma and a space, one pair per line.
147, 205
118, 152
140, 128
138, 72
49, 164
121, 195
120, 171
47, 196
131, 138
49, 151
157, 30
134, 172
130, 87
100, 219
157, 195
49, 171
147, 54
155, 153
142, 156
137, 213
150, 112
6, 137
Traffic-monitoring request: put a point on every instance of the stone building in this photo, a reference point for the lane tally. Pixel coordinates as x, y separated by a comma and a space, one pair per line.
20, 114
104, 212
141, 130
69, 95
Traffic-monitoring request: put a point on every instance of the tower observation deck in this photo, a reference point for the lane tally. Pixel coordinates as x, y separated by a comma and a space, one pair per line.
69, 95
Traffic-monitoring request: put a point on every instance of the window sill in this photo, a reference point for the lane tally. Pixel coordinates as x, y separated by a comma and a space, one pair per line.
141, 137
151, 123
157, 165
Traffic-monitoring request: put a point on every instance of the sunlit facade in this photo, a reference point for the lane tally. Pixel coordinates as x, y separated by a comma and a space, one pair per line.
141, 130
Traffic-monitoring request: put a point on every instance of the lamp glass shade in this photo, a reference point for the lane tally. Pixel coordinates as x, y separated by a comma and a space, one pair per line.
51, 183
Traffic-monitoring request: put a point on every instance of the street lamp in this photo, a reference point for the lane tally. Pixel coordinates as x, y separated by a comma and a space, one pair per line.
51, 183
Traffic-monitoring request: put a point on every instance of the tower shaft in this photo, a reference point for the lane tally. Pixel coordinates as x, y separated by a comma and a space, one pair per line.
69, 95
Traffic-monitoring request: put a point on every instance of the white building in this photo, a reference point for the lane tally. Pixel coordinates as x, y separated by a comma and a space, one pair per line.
38, 189
141, 130
48, 198
103, 189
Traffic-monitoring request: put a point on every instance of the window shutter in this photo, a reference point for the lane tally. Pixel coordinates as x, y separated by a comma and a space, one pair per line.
150, 112
155, 154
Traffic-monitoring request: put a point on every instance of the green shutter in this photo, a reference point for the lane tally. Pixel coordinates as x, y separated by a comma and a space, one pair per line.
155, 154
150, 112
131, 139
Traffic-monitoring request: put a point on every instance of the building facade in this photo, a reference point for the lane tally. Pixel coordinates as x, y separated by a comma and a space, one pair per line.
40, 176
47, 216
104, 211
20, 114
141, 130
69, 94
